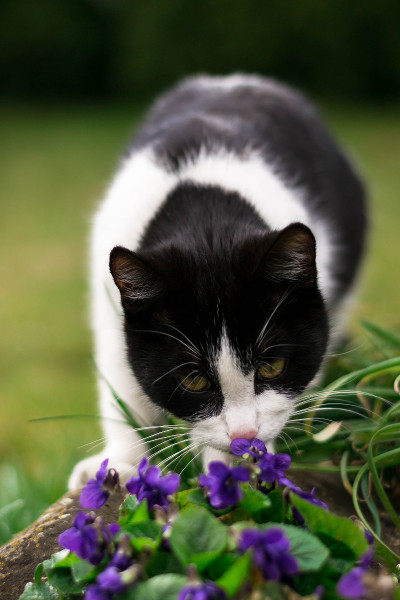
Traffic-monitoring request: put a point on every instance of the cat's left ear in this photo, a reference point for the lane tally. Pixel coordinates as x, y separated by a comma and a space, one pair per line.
292, 256
136, 280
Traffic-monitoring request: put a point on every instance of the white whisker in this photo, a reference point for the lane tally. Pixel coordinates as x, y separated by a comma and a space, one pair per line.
172, 370
185, 336
162, 439
193, 459
283, 436
169, 459
339, 408
173, 337
263, 330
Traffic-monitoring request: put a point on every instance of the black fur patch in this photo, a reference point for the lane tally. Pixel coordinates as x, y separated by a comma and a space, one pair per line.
207, 262
280, 123
211, 251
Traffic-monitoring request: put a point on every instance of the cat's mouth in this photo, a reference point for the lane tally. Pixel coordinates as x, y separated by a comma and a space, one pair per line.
226, 446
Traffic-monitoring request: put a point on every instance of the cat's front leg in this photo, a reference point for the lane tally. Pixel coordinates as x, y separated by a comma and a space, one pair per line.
211, 454
124, 446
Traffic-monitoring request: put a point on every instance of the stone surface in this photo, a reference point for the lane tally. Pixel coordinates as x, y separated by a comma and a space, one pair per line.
20, 556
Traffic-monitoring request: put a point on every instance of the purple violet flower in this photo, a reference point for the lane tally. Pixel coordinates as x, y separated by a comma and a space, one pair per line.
271, 552
111, 581
96, 491
122, 556
202, 591
88, 537
369, 537
223, 484
255, 447
150, 485
82, 538
351, 585
309, 496
273, 467
95, 592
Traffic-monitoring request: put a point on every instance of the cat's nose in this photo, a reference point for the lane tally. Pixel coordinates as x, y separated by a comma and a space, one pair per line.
245, 434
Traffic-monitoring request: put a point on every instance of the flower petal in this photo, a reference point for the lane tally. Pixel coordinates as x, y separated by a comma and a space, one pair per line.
93, 496
351, 584
152, 476
256, 443
111, 581
102, 472
170, 483
282, 461
240, 473
240, 446
143, 466
95, 592
218, 469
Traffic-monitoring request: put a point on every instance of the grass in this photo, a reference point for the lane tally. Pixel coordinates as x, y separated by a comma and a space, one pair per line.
55, 164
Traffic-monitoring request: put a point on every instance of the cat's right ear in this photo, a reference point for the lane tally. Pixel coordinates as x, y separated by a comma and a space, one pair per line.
137, 281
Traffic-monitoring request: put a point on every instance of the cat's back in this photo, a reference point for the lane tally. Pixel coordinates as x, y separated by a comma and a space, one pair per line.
249, 135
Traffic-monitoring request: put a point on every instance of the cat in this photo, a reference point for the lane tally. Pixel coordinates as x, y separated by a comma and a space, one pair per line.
223, 258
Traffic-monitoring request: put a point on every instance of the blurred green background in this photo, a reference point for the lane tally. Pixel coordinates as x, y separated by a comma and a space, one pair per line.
76, 77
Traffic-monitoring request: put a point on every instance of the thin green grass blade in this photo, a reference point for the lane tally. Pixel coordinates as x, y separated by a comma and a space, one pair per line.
377, 369
385, 336
344, 473
394, 431
61, 417
387, 553
364, 485
391, 413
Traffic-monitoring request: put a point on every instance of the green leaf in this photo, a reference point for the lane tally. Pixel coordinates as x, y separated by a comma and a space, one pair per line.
203, 559
195, 532
219, 565
236, 576
38, 573
276, 508
58, 571
130, 503
273, 590
308, 550
160, 587
144, 534
306, 584
64, 558
182, 497
133, 511
196, 496
150, 529
256, 503
164, 562
83, 571
39, 591
331, 528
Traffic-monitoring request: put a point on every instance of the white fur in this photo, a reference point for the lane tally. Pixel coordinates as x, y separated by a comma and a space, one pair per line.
138, 190
243, 409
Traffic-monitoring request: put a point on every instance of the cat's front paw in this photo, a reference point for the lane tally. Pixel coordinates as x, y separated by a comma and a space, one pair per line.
87, 469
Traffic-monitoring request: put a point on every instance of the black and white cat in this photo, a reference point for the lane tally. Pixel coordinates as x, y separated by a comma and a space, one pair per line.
223, 257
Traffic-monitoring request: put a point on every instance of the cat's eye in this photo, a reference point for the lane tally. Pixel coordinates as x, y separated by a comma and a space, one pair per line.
271, 369
197, 383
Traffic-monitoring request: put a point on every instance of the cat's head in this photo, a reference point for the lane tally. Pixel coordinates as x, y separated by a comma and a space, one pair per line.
225, 340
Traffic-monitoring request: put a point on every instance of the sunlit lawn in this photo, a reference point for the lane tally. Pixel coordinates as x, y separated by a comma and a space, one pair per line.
54, 166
